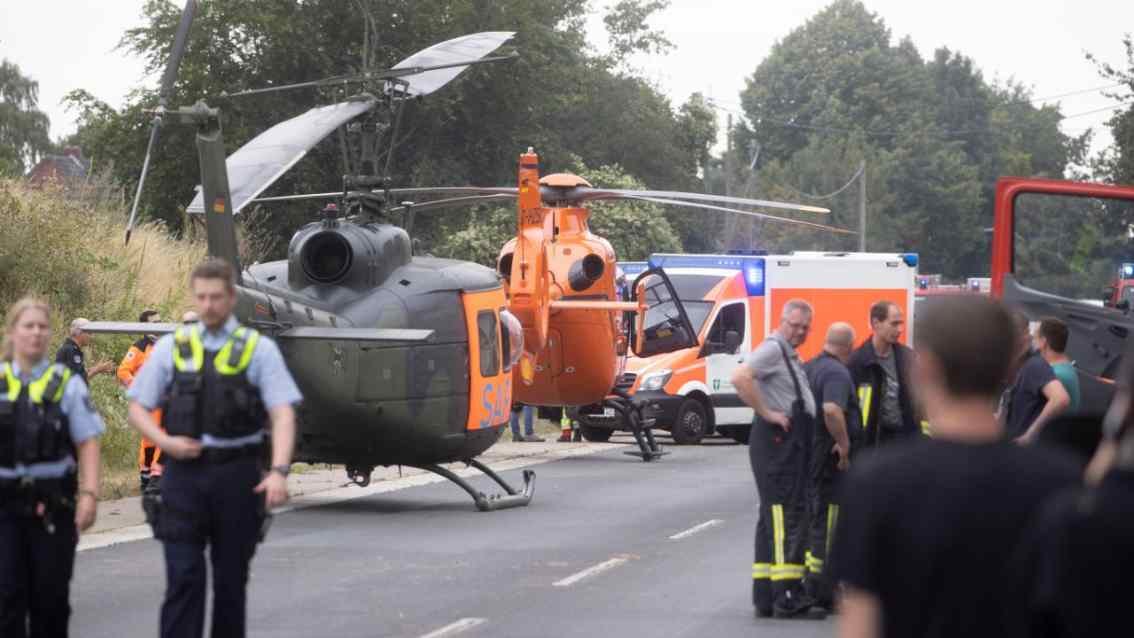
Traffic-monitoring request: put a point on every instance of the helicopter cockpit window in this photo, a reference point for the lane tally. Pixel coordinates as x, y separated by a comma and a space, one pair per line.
488, 342
512, 339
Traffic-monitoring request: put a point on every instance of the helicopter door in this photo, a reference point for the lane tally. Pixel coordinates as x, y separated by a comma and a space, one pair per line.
664, 327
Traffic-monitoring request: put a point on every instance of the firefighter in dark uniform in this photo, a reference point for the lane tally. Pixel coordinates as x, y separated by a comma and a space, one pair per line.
49, 457
772, 381
223, 383
839, 418
881, 370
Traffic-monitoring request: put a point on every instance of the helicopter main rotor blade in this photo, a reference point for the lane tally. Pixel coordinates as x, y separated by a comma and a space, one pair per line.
450, 202
440, 64
259, 163
129, 328
748, 213
583, 193
503, 191
423, 72
167, 79
322, 333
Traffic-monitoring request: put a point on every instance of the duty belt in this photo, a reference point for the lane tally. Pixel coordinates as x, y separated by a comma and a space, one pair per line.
227, 454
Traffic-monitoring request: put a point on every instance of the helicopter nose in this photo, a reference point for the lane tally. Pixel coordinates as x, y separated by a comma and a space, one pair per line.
585, 272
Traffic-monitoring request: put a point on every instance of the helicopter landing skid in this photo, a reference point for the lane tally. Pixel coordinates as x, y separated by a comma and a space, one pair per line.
489, 503
639, 425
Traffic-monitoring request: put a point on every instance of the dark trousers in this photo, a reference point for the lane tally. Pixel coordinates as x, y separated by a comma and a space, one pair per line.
779, 463
35, 574
823, 515
208, 504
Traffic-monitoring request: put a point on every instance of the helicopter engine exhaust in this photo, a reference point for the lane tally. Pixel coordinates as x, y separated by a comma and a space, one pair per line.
327, 257
585, 272
504, 267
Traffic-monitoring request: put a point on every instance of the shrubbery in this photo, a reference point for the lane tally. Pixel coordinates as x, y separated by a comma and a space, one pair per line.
65, 244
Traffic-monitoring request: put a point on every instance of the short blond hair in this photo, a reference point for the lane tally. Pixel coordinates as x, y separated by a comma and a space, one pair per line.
14, 313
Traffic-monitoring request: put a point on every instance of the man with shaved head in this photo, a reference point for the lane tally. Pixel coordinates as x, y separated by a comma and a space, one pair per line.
838, 416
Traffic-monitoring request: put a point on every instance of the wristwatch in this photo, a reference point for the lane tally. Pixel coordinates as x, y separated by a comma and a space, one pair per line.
282, 470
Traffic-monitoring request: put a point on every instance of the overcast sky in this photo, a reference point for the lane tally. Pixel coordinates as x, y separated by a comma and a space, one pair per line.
69, 44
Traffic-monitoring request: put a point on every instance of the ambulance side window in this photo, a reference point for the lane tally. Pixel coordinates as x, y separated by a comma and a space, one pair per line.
730, 318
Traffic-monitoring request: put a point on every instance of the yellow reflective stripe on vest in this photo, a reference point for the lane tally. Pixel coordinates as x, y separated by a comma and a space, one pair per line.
191, 337
761, 571
865, 396
37, 387
224, 365
925, 429
14, 384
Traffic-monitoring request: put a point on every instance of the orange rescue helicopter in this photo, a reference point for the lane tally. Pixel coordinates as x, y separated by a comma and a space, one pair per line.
561, 284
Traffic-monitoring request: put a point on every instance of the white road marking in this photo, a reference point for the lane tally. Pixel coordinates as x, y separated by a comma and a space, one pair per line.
323, 497
458, 627
693, 530
592, 571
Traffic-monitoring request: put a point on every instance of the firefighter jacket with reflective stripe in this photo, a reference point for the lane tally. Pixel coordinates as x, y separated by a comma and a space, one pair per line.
210, 392
870, 381
135, 357
33, 428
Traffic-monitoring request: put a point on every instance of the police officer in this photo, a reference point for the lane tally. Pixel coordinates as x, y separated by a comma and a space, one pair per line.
46, 420
772, 381
70, 353
831, 382
223, 382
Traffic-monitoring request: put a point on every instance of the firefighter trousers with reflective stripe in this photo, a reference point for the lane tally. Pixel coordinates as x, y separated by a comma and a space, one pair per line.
823, 515
779, 464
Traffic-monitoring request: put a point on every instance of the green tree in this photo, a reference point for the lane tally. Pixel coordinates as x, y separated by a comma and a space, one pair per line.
23, 127
560, 97
934, 134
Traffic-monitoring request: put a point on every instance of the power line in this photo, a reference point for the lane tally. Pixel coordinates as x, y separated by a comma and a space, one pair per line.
832, 194
1079, 92
893, 132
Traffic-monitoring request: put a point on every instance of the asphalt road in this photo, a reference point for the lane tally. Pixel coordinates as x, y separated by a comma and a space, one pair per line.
592, 556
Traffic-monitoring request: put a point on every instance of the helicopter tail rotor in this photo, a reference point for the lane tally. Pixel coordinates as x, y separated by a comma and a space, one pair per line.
168, 78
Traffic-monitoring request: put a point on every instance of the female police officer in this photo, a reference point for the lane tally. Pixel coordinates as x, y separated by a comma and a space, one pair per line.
46, 417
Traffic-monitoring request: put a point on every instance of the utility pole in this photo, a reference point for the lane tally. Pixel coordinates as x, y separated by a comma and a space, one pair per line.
862, 206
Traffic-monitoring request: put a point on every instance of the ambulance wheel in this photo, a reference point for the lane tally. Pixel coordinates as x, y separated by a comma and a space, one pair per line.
691, 423
595, 435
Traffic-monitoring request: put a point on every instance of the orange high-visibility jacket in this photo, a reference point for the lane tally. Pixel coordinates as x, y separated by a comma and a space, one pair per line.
135, 357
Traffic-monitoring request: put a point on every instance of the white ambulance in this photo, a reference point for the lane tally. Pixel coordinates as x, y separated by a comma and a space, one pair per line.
734, 301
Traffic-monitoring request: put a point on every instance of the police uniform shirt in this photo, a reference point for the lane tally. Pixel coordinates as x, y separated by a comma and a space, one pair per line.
930, 528
266, 371
71, 355
84, 421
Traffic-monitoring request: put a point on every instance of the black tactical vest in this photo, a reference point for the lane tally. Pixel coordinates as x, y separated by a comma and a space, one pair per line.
33, 428
210, 392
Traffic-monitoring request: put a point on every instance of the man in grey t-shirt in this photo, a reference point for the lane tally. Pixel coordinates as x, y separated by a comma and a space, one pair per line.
890, 410
772, 381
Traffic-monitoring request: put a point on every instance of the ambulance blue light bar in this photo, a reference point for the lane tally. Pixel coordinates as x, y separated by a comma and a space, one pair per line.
633, 267
751, 267
1128, 271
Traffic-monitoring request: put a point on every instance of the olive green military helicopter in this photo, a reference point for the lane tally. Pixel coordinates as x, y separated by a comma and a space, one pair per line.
402, 359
